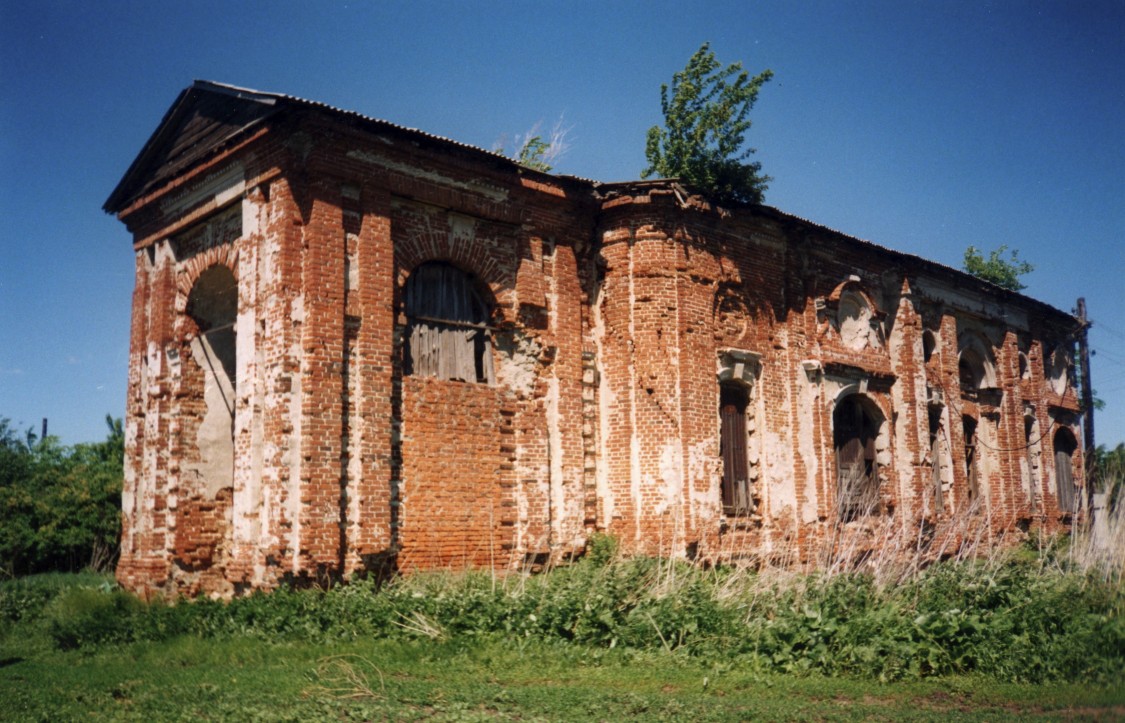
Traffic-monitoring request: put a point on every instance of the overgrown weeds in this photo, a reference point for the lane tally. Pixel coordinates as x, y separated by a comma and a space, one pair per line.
1020, 617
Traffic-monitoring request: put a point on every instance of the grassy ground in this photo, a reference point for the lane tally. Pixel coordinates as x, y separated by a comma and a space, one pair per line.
245, 679
1035, 635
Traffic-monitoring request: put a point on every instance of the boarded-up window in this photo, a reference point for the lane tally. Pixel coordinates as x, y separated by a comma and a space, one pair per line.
1065, 446
733, 399
447, 333
854, 432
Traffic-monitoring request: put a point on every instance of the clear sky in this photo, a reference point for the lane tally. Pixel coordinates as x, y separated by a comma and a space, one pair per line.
925, 126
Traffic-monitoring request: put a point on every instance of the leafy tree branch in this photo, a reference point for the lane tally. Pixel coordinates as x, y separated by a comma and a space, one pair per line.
706, 116
996, 269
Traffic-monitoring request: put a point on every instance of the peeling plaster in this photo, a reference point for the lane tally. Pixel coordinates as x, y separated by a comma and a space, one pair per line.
607, 403
706, 499
808, 398
294, 462
518, 366
554, 455
215, 470
671, 477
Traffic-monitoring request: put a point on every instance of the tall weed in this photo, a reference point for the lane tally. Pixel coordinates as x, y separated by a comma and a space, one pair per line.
1024, 617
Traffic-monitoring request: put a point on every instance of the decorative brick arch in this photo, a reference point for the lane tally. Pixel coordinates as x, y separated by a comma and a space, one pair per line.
441, 243
978, 357
190, 270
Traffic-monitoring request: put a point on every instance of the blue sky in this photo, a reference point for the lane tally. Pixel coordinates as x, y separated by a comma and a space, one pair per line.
922, 126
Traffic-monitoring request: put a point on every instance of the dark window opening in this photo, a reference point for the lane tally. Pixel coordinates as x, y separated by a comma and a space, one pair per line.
448, 334
970, 431
929, 343
1065, 447
733, 400
966, 371
213, 305
854, 434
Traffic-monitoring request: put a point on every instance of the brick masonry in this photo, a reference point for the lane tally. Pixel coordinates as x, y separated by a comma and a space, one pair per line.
617, 310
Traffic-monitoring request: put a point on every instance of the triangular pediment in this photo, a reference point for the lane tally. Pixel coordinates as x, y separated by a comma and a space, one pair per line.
205, 117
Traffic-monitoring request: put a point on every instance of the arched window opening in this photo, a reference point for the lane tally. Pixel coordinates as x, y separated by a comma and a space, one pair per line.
929, 343
969, 426
970, 369
1065, 447
976, 364
213, 305
733, 400
448, 334
210, 408
854, 432
1060, 373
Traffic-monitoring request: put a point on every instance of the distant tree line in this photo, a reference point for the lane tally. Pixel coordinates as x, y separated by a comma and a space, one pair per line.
60, 506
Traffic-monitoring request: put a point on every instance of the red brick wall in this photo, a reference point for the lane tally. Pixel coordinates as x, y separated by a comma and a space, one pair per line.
611, 317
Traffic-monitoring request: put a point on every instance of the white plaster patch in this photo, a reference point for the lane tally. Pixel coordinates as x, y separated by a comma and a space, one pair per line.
807, 399
215, 434
671, 477
706, 495
782, 486
554, 454
519, 361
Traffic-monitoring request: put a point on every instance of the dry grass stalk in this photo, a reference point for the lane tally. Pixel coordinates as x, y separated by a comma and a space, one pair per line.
344, 676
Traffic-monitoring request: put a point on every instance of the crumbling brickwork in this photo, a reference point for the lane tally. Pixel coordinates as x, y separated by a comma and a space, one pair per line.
730, 385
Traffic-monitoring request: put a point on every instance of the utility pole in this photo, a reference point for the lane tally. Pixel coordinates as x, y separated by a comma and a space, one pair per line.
1087, 395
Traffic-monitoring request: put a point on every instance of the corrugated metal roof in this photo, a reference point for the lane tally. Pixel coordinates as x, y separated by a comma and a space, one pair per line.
125, 193
116, 202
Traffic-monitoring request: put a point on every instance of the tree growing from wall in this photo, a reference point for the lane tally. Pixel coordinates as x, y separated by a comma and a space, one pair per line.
1004, 272
538, 149
706, 116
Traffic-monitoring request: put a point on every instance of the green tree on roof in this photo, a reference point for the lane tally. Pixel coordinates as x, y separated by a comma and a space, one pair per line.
706, 116
996, 269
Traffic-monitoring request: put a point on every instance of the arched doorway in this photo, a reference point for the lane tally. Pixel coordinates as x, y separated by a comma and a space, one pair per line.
855, 429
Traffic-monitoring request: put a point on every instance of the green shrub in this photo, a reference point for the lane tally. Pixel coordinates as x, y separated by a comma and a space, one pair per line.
1014, 620
82, 617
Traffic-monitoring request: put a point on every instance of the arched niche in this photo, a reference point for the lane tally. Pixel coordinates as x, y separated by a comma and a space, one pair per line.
976, 364
213, 305
855, 316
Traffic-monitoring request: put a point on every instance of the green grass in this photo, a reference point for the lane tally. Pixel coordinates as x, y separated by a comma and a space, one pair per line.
485, 678
1027, 636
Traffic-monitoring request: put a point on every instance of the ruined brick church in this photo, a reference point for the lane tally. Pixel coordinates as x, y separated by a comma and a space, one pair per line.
361, 347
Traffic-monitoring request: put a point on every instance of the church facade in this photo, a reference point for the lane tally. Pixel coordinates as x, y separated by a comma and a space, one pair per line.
357, 347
